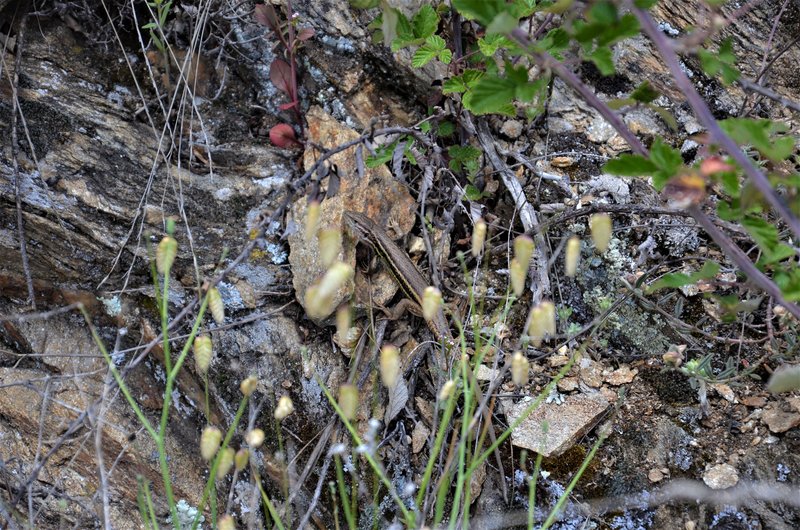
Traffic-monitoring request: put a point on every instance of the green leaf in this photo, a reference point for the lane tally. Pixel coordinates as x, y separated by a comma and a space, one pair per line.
645, 4
761, 135
461, 83
425, 22
767, 238
604, 13
603, 60
665, 115
472, 193
445, 56
503, 23
679, 279
789, 282
630, 166
462, 153
489, 44
722, 63
645, 93
665, 157
492, 95
446, 128
554, 41
484, 11
434, 46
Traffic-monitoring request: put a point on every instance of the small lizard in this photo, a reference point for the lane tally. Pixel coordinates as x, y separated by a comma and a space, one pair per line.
405, 273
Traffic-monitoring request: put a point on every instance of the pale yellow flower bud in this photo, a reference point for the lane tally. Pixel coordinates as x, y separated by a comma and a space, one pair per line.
478, 236
284, 408
312, 219
241, 458
226, 522
330, 246
202, 353
254, 438
523, 250
225, 463
600, 225
518, 274
519, 369
543, 323
248, 386
166, 251
343, 321
431, 302
216, 306
447, 390
390, 365
209, 442
348, 401
319, 297
572, 256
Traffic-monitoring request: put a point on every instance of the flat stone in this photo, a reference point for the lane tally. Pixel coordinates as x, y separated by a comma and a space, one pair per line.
377, 194
721, 476
566, 423
591, 373
781, 417
419, 436
621, 376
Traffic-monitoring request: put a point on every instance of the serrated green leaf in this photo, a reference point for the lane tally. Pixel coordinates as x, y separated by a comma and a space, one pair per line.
645, 93
446, 128
603, 60
665, 157
454, 85
628, 165
483, 11
436, 43
602, 13
425, 22
462, 153
503, 23
679, 279
472, 193
768, 240
423, 56
489, 44
789, 282
761, 135
528, 91
425, 127
554, 41
492, 95
446, 56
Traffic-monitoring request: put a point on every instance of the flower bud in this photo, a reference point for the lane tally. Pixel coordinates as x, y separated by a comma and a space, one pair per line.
284, 408
447, 390
226, 522
166, 251
523, 250
202, 353
343, 320
225, 463
431, 302
478, 237
518, 274
600, 225
348, 401
254, 438
330, 246
312, 219
248, 386
216, 306
209, 442
519, 369
390, 365
319, 297
241, 458
572, 255
543, 323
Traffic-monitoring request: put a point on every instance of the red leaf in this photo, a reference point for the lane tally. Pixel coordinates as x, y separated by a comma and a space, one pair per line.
280, 73
266, 16
305, 34
287, 106
282, 135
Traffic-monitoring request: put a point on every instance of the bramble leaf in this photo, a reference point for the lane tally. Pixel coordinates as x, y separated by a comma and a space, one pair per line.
425, 22
679, 279
630, 166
